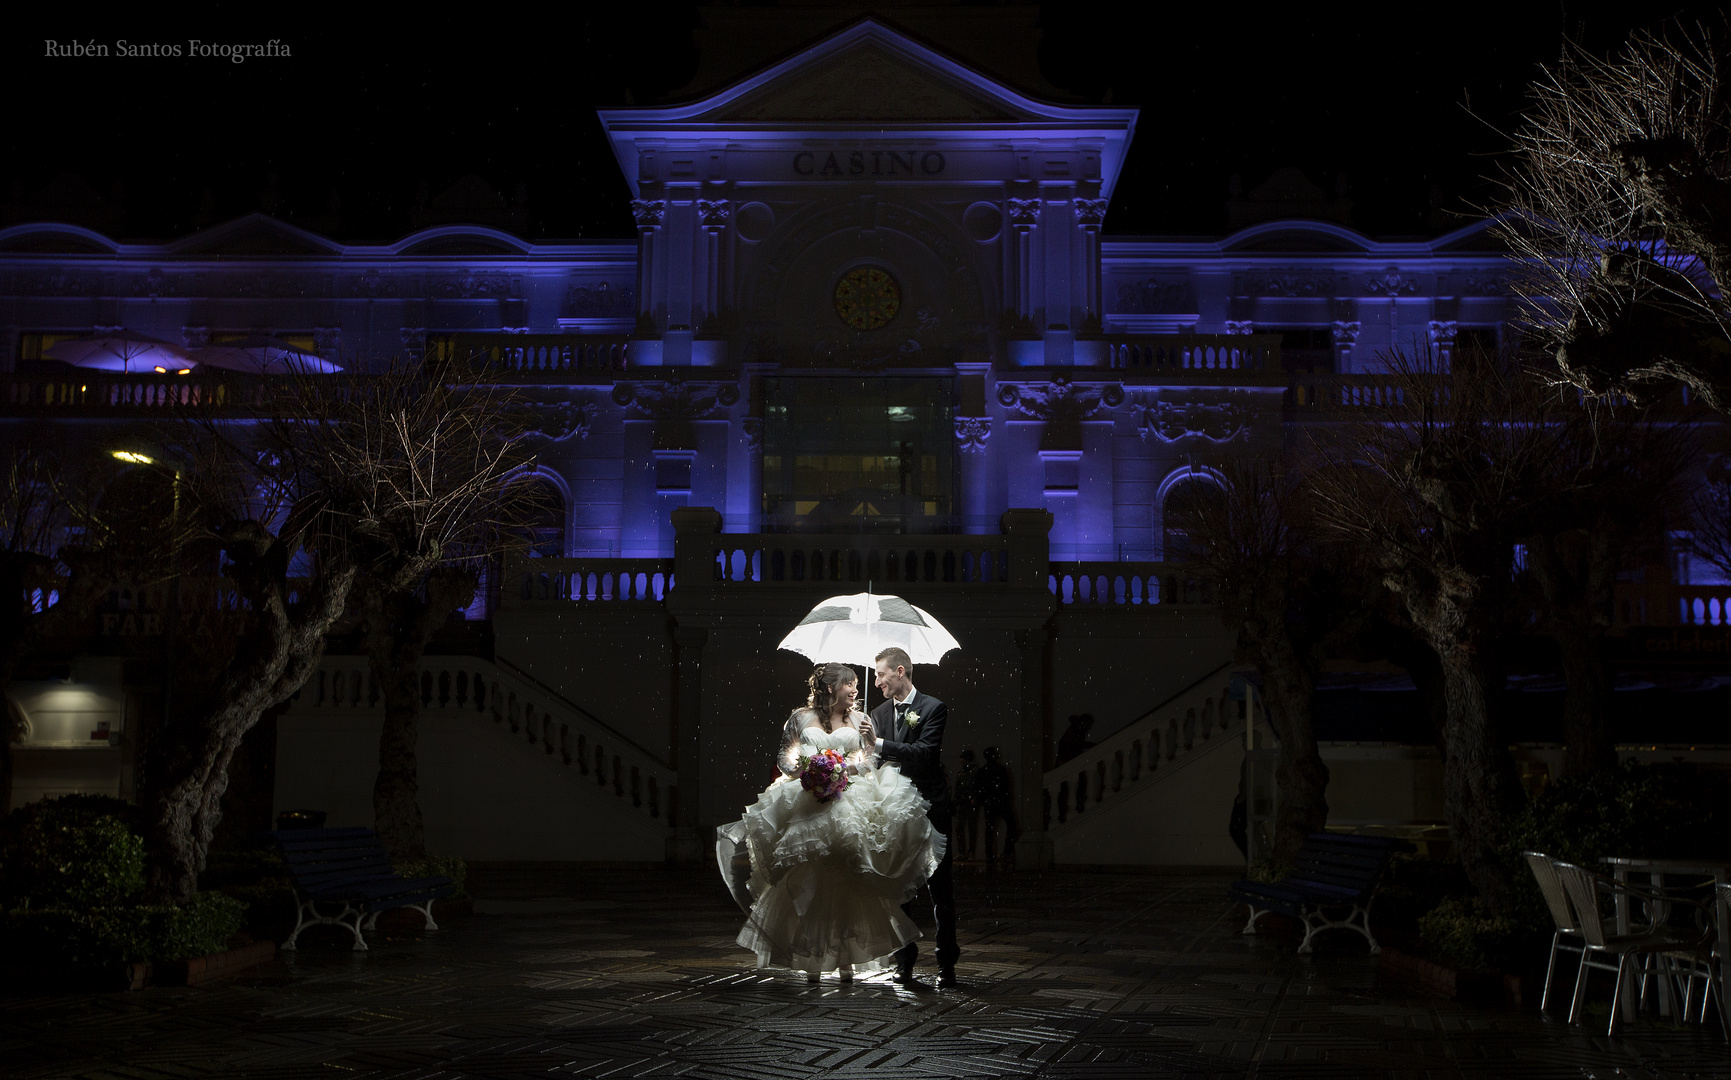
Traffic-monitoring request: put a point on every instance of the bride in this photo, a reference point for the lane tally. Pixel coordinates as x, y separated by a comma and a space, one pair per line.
828, 876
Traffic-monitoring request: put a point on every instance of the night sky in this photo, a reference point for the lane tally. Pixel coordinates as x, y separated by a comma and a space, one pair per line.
365, 121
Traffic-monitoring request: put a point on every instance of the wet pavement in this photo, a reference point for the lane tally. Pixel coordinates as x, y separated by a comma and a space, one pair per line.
635, 974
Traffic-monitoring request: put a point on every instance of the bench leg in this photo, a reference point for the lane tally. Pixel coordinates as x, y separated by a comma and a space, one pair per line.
353, 926
426, 911
305, 915
1358, 919
1255, 913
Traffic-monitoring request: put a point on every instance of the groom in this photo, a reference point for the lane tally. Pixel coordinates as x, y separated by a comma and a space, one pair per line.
912, 727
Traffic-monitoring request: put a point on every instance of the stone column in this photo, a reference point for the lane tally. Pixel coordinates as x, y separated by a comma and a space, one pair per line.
694, 530
690, 836
1034, 849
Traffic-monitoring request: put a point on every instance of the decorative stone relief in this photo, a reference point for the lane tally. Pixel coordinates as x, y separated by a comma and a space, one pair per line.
1024, 212
1090, 211
1287, 285
713, 214
1346, 333
647, 212
414, 339
559, 420
867, 352
327, 340
156, 283
972, 433
752, 428
676, 400
1442, 332
1219, 416
1240, 326
373, 284
1390, 284
601, 301
1060, 400
1495, 285
1152, 296
59, 283
470, 285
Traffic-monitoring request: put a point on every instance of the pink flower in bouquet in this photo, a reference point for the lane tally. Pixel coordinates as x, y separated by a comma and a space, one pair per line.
824, 774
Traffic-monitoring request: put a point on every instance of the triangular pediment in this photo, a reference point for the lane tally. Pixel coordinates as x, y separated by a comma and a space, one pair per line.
254, 234
867, 82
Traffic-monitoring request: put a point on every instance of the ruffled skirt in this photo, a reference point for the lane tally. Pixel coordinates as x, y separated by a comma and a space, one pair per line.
828, 878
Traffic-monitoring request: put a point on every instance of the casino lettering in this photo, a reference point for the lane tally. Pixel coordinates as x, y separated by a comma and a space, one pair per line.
868, 163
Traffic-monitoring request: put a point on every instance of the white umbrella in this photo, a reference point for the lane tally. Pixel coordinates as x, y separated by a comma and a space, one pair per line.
263, 355
121, 350
854, 629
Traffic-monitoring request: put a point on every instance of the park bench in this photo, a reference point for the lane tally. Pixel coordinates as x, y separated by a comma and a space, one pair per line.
1333, 872
349, 867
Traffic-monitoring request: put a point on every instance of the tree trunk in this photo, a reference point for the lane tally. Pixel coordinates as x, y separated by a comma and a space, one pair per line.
396, 791
278, 651
1588, 744
1480, 788
1299, 772
399, 625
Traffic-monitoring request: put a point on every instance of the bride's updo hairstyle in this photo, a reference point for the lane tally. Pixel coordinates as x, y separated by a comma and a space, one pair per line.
825, 681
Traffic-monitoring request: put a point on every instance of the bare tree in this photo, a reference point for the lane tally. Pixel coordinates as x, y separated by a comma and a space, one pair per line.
1277, 595
32, 516
1437, 486
342, 480
1618, 212
1616, 486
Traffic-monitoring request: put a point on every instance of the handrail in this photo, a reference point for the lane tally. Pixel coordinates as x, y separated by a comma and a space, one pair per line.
1130, 759
513, 669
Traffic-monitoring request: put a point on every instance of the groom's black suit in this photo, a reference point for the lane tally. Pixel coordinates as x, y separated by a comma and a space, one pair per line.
918, 749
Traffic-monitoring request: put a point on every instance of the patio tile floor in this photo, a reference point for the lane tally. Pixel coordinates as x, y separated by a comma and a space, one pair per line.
635, 974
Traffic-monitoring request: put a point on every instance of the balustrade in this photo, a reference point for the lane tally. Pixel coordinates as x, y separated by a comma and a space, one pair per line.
587, 581
97, 391
1131, 758
1127, 584
542, 355
1193, 353
537, 717
793, 560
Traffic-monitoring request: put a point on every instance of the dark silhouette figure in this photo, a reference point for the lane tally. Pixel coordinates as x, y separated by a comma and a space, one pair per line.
967, 815
997, 803
1075, 742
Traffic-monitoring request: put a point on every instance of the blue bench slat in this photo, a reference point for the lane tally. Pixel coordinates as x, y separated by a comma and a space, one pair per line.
349, 865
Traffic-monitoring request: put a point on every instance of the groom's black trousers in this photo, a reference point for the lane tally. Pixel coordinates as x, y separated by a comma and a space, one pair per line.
941, 888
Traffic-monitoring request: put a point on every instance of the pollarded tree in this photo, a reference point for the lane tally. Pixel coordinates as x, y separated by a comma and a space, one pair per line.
337, 480
1436, 487
1618, 212
1277, 593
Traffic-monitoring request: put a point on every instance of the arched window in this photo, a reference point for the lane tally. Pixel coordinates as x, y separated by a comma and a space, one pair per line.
546, 518
1184, 505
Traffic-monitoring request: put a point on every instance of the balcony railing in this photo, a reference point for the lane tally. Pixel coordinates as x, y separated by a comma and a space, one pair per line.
1127, 585
1211, 354
541, 358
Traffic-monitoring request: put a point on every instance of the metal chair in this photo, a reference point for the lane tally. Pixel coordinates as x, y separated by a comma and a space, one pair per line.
1583, 887
1568, 934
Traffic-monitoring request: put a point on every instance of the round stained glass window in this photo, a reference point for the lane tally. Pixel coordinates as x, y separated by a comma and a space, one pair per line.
867, 297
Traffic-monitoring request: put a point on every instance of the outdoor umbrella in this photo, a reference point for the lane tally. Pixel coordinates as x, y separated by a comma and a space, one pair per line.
854, 629
121, 350
262, 355
844, 630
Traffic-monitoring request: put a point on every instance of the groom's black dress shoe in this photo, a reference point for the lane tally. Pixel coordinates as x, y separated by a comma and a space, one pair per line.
905, 979
947, 979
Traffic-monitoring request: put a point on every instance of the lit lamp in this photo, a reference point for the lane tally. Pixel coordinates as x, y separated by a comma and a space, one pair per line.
133, 459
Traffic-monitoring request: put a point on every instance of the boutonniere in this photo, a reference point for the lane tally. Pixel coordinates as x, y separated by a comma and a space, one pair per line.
911, 719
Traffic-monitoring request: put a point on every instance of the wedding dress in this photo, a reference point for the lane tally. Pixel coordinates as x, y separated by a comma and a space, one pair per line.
828, 878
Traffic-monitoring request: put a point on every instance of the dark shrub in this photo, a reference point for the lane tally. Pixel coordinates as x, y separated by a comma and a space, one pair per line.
71, 852
104, 935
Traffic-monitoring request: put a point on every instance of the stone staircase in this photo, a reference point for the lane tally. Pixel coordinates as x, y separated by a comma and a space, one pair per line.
1150, 793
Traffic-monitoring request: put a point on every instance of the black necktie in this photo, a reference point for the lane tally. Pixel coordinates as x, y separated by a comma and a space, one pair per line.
902, 712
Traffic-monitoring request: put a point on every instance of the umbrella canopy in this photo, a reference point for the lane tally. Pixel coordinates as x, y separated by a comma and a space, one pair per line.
263, 355
854, 629
121, 350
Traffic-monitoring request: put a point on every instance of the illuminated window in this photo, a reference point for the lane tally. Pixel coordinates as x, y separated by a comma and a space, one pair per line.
857, 455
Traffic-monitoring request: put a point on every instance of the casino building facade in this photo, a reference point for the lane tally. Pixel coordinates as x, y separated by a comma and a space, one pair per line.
869, 333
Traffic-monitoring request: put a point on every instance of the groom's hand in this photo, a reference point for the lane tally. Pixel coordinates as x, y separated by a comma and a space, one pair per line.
868, 736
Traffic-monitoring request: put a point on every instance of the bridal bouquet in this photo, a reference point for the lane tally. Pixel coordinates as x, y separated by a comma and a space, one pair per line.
824, 774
